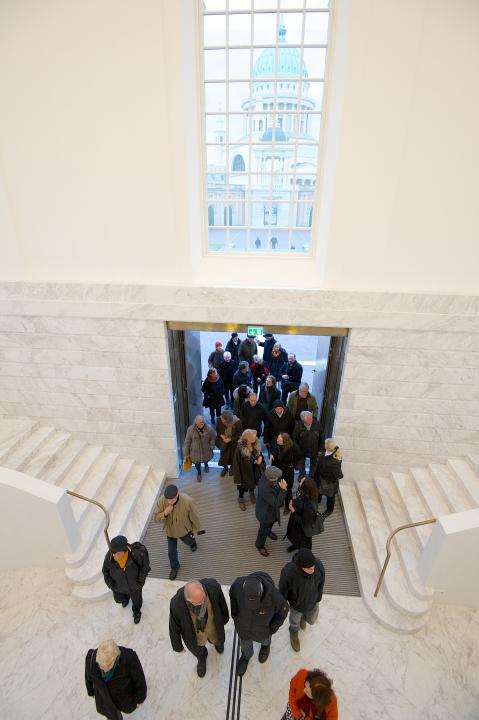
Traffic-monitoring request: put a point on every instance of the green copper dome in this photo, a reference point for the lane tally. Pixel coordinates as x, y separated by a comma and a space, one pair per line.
289, 61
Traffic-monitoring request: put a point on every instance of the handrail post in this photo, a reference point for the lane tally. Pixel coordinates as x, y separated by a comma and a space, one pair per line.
102, 507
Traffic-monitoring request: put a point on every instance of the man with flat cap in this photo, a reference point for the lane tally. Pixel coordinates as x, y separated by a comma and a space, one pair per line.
198, 615
125, 569
301, 584
180, 520
258, 610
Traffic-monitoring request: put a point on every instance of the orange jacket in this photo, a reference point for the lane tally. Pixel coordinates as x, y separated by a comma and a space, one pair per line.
297, 697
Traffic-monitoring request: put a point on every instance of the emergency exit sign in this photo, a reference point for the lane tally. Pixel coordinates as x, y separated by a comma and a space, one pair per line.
255, 330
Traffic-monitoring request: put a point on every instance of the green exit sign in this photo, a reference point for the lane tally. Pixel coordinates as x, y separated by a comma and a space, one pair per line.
255, 330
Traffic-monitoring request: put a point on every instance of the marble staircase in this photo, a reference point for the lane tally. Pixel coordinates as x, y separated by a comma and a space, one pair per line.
127, 489
374, 508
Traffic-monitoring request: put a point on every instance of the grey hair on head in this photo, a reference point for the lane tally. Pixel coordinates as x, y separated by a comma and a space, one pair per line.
191, 588
303, 415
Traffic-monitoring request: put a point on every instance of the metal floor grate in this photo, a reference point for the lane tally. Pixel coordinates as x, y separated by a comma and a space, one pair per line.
227, 549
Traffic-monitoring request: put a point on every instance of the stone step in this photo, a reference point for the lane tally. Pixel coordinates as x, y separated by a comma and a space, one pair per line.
93, 521
453, 491
432, 496
56, 470
367, 569
135, 527
47, 454
406, 542
414, 504
465, 472
13, 432
93, 482
82, 466
22, 453
90, 569
395, 582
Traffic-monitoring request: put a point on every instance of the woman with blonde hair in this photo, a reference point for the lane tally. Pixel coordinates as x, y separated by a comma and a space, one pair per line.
115, 678
248, 464
328, 474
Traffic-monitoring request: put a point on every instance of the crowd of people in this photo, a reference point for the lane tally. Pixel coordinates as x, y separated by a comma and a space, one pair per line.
265, 423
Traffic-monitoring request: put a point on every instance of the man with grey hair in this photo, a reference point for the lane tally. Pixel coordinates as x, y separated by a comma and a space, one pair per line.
308, 434
198, 614
301, 399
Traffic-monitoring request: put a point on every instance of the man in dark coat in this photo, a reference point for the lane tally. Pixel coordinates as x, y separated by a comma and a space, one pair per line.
247, 349
278, 420
227, 371
291, 376
125, 569
268, 345
243, 375
258, 610
253, 415
278, 358
301, 584
271, 494
232, 346
115, 678
198, 615
216, 357
308, 434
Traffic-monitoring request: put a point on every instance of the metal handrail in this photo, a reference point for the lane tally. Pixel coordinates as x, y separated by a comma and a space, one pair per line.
388, 547
98, 504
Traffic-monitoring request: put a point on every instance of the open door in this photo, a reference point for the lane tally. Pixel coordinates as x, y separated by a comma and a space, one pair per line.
337, 352
176, 344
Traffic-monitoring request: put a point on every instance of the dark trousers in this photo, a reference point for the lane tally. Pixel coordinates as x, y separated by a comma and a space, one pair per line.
215, 407
286, 388
136, 599
198, 467
313, 464
288, 474
242, 490
229, 393
173, 549
263, 533
329, 502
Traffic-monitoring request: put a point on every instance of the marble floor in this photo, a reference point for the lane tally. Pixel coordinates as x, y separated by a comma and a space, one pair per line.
45, 633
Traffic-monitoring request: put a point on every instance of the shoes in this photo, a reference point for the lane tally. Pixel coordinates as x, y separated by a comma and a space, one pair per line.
207, 469
230, 471
242, 666
286, 511
194, 547
219, 648
327, 513
302, 623
242, 503
291, 548
263, 653
198, 477
201, 667
273, 536
262, 551
294, 640
136, 617
125, 603
252, 497
173, 573
223, 472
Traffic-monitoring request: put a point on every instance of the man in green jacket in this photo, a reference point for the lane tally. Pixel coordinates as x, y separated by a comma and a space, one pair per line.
301, 399
180, 519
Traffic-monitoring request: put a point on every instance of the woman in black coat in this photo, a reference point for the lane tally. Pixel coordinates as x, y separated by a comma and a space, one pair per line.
213, 391
303, 511
248, 464
228, 432
285, 454
115, 678
328, 474
268, 393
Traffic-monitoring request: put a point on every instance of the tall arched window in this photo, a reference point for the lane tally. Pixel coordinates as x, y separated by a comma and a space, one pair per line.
238, 164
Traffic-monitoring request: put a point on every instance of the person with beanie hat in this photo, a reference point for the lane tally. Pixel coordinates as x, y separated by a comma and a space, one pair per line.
180, 520
125, 569
301, 583
216, 357
271, 493
278, 420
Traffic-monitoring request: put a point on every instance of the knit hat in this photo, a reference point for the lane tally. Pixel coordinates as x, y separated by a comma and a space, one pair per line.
305, 558
252, 592
270, 335
273, 473
234, 334
278, 403
118, 544
218, 344
171, 491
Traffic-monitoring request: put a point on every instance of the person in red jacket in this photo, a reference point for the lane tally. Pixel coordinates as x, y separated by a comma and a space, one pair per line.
311, 697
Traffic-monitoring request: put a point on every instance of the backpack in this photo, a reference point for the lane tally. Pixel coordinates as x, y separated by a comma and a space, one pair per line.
138, 549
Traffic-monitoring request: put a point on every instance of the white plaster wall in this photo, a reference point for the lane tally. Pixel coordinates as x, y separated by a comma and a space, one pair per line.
100, 148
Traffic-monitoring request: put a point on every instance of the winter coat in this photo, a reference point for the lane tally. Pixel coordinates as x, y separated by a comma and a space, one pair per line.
227, 371
302, 707
181, 625
228, 449
213, 393
329, 473
233, 348
286, 459
276, 363
294, 372
310, 442
259, 372
251, 417
239, 398
199, 444
247, 350
241, 378
183, 520
276, 425
130, 578
246, 472
127, 687
270, 499
216, 358
258, 624
311, 404
300, 520
267, 400
268, 346
300, 589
